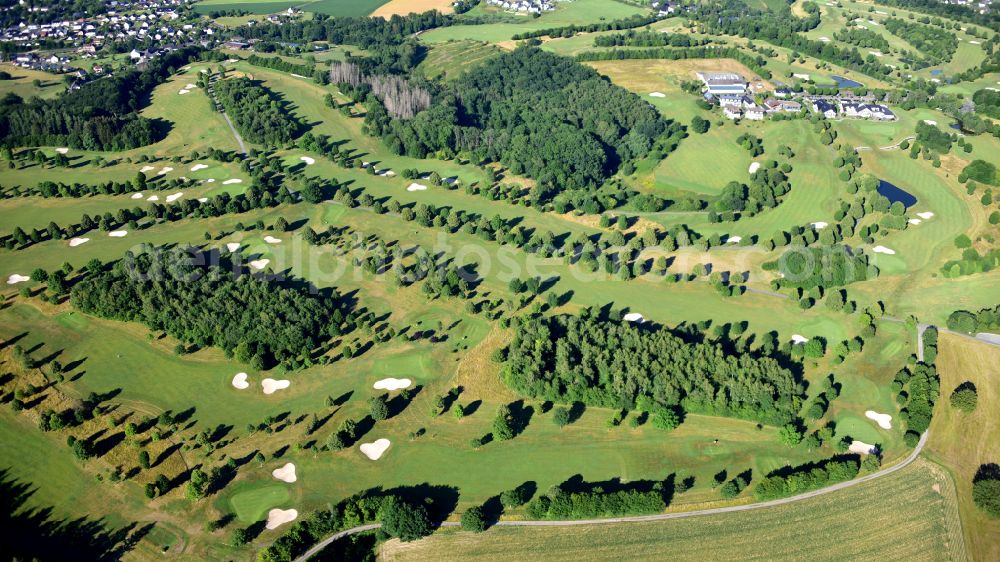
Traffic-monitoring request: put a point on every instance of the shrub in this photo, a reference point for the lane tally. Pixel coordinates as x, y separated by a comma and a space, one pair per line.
964, 397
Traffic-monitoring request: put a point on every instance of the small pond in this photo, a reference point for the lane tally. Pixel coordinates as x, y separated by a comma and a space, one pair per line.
936, 72
893, 194
846, 83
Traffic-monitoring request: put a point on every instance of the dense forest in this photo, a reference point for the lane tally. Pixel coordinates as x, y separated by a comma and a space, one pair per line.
541, 115
255, 111
826, 266
862, 38
258, 321
987, 102
620, 365
101, 115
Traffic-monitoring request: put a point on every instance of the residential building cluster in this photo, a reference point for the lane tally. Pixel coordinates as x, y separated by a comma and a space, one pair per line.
526, 6
154, 23
736, 96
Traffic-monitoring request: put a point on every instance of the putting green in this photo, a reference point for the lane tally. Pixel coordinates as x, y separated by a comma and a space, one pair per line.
253, 502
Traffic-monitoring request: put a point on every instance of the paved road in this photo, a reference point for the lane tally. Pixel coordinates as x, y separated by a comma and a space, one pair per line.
660, 516
239, 139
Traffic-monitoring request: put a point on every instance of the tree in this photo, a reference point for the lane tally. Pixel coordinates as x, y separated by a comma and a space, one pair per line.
503, 424
405, 521
515, 497
560, 416
379, 407
144, 459
699, 125
150, 490
790, 435
240, 537
665, 419
474, 519
964, 397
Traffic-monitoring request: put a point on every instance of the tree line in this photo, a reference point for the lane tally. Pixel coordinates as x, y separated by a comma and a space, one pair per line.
984, 320
638, 20
620, 365
648, 39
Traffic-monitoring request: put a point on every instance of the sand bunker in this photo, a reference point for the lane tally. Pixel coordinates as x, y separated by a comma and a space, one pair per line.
197, 167
62, 150
392, 384
259, 264
118, 233
819, 225
153, 198
233, 246
925, 215
145, 169
272, 240
883, 420
203, 199
914, 221
883, 250
375, 449
824, 39
385, 173
174, 197
798, 338
278, 517
861, 448
632, 317
657, 95
232, 181
309, 161
416, 187
297, 75
873, 22
971, 42
271, 385
930, 121
137, 195
240, 381
734, 239
164, 170
209, 180
17, 278
754, 166
876, 53
285, 473
73, 243
182, 92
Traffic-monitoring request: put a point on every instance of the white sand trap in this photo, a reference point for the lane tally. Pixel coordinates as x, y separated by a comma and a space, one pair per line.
197, 167
153, 198
17, 278
862, 27
137, 195
873, 22
233, 246
416, 187
309, 161
62, 150
278, 517
876, 53
232, 181
936, 80
819, 225
174, 197
925, 215
271, 385
385, 173
861, 448
285, 473
883, 250
164, 170
365, 164
203, 199
392, 384
77, 241
754, 166
203, 71
973, 42
240, 381
798, 338
883, 420
260, 264
375, 449
272, 240
914, 221
145, 169
297, 75
930, 121
182, 92
734, 240
824, 39
657, 95
210, 180
118, 233
632, 317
